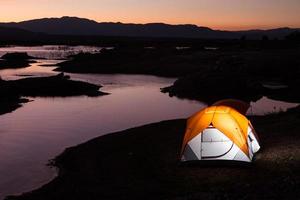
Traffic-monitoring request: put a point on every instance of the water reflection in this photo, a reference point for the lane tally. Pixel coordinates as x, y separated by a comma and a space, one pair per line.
45, 127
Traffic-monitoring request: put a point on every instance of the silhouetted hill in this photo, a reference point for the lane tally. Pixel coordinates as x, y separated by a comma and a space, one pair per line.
85, 27
278, 33
80, 26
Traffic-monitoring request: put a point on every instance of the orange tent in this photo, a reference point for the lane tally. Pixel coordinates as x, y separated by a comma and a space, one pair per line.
219, 132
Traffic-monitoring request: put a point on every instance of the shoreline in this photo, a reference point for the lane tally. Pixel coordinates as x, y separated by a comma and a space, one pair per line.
142, 162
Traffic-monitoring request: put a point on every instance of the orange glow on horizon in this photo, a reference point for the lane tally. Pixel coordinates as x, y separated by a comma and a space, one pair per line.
216, 14
215, 26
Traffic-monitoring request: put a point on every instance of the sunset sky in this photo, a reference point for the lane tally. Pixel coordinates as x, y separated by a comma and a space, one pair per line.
217, 14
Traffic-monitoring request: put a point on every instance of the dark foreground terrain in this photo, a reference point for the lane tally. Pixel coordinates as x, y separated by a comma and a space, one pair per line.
142, 163
12, 92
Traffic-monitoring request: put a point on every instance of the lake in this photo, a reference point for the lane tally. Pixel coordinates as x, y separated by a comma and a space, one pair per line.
43, 128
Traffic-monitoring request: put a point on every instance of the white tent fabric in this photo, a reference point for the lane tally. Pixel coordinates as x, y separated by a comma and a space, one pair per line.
212, 144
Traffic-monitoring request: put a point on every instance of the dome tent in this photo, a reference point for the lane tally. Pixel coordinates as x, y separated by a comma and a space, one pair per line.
220, 132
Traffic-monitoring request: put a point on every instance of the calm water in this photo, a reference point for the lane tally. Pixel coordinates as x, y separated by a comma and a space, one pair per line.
43, 128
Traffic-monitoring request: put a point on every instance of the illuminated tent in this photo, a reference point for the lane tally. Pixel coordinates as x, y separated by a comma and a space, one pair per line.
220, 132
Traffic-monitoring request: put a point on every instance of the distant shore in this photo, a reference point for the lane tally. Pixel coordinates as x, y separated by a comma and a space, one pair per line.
232, 72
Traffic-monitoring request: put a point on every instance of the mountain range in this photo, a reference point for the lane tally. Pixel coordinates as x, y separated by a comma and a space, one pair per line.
75, 26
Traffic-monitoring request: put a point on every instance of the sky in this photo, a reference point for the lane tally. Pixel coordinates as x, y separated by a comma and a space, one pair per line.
217, 14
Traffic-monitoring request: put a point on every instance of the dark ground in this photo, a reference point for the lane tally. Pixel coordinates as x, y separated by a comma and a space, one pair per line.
142, 163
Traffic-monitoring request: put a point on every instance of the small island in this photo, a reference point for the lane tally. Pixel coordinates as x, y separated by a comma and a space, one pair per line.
15, 60
12, 92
